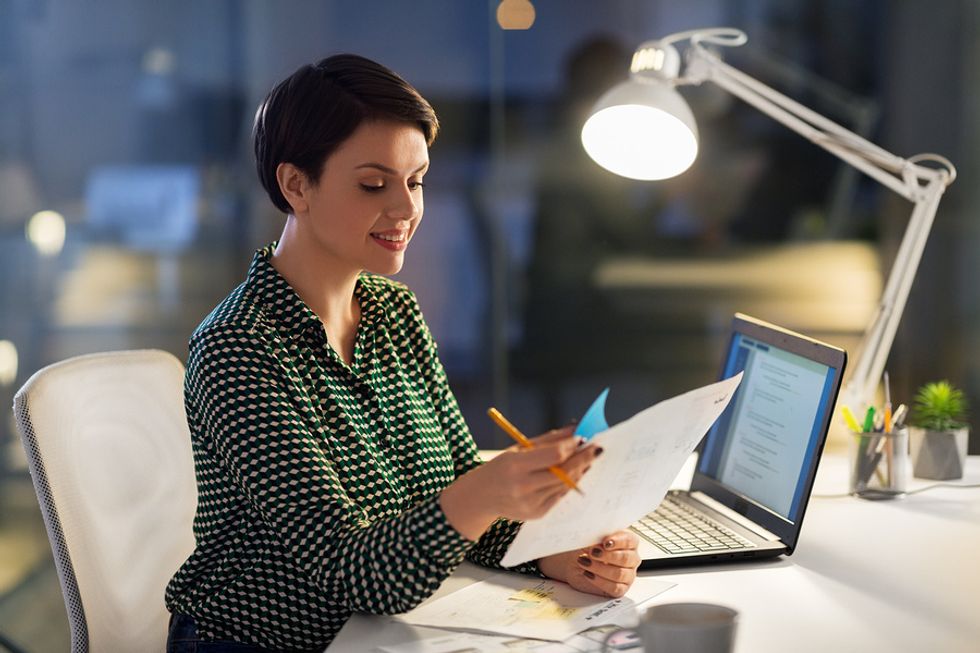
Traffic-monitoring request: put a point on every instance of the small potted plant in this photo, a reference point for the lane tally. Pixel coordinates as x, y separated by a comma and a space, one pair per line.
939, 431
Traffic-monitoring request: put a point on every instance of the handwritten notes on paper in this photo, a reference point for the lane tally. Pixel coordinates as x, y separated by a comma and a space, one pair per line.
511, 604
640, 459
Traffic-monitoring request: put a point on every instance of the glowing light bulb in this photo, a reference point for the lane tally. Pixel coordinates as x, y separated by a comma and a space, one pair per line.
639, 142
642, 129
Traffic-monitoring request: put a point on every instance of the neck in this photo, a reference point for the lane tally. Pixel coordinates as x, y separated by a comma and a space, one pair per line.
324, 283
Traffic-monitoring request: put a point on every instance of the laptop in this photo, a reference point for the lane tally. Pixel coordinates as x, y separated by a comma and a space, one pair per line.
756, 465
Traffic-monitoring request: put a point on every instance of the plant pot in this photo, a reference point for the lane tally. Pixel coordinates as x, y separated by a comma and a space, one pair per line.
938, 455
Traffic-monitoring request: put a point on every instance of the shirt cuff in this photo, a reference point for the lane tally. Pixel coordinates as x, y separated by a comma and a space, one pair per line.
443, 542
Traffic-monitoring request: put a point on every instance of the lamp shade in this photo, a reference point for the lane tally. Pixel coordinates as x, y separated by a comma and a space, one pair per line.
642, 129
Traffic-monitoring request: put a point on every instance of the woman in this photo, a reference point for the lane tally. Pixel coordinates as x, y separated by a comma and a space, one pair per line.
335, 471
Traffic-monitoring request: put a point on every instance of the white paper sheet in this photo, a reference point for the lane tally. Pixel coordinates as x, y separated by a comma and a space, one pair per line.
476, 643
588, 641
640, 458
525, 606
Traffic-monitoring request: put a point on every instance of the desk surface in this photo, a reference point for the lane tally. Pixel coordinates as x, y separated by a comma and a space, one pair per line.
868, 577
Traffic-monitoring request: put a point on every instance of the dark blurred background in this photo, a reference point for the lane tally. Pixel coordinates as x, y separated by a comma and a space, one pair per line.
543, 278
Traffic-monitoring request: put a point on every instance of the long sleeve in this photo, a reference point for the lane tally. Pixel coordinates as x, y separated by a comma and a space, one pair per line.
318, 478
254, 421
492, 545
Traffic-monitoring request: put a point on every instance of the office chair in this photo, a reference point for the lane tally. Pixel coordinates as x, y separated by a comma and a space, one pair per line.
9, 646
110, 456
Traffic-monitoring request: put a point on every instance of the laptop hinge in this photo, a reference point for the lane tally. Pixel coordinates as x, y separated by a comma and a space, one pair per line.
735, 517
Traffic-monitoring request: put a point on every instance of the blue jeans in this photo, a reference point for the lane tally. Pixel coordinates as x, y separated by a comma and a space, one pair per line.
182, 638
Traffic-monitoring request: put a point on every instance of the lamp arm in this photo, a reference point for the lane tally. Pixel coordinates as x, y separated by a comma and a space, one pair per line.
880, 335
921, 185
889, 170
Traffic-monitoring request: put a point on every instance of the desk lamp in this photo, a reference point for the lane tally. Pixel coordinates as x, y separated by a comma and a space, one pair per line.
643, 129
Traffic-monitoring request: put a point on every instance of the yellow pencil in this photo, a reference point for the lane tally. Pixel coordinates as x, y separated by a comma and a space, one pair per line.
519, 437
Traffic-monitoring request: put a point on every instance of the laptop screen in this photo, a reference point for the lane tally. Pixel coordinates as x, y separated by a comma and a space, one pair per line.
765, 443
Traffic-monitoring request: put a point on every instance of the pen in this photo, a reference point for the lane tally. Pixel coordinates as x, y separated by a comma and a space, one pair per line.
519, 437
888, 405
849, 419
869, 420
874, 459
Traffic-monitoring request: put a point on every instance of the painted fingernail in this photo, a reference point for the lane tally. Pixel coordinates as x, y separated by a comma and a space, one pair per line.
585, 561
588, 574
608, 544
598, 451
596, 552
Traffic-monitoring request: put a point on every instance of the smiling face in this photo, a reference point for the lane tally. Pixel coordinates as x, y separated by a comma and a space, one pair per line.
367, 204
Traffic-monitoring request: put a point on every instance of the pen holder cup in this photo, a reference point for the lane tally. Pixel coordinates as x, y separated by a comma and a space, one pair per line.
880, 467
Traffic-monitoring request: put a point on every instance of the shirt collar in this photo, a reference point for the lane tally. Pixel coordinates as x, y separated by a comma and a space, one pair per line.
290, 314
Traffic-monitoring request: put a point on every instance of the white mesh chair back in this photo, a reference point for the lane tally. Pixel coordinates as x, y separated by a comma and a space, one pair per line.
110, 457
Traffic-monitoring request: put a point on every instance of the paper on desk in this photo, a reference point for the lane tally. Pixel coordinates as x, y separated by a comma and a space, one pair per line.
640, 458
588, 641
476, 643
525, 606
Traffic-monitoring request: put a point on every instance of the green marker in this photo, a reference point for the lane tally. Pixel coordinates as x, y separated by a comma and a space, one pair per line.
869, 420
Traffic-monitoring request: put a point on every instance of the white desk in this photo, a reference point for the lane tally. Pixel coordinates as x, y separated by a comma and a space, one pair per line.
868, 577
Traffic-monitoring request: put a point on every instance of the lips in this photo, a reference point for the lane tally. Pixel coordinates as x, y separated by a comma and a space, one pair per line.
393, 240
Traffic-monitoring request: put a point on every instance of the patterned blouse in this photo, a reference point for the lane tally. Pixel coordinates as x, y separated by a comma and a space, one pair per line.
319, 481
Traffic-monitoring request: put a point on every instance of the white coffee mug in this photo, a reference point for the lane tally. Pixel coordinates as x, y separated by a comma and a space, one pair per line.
682, 628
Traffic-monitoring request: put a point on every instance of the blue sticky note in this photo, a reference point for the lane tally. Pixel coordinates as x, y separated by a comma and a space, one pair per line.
594, 420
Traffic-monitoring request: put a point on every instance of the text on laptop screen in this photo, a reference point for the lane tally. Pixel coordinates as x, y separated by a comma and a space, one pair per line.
769, 433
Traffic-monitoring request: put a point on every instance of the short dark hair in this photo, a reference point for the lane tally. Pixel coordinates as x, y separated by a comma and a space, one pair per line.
306, 116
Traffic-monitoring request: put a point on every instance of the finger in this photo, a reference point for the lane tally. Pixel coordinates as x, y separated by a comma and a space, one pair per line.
534, 484
577, 474
554, 435
607, 569
626, 558
545, 484
602, 585
581, 459
522, 503
546, 500
547, 455
554, 498
607, 572
528, 460
619, 540
620, 557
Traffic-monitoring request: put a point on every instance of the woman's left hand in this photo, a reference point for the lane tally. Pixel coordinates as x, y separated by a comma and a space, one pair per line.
607, 568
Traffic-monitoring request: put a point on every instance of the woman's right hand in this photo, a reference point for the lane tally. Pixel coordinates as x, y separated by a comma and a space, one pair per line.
517, 483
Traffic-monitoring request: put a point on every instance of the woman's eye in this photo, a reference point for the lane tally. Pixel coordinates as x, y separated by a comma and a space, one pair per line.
416, 185
372, 188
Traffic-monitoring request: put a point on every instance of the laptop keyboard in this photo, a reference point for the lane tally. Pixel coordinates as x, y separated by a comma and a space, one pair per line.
677, 528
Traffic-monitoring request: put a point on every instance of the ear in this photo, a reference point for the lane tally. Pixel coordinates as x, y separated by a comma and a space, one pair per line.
294, 186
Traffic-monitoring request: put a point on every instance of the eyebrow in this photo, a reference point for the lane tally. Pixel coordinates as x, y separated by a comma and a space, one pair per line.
387, 170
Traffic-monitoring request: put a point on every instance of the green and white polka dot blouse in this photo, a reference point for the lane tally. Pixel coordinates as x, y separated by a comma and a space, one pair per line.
318, 481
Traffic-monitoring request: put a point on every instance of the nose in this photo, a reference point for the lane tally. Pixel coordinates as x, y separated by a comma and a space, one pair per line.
405, 205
